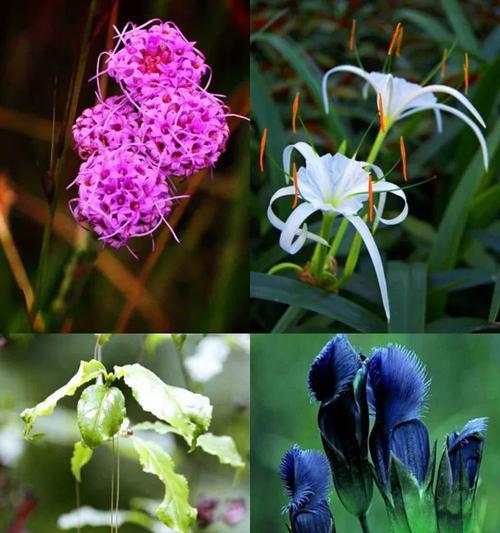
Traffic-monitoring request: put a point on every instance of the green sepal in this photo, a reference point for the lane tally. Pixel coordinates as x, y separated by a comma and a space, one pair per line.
100, 413
413, 506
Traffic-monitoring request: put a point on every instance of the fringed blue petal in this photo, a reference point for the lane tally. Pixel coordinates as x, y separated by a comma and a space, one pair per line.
333, 369
467, 447
410, 444
306, 476
317, 521
398, 385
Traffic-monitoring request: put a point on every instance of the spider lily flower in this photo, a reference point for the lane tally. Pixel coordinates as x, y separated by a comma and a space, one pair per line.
398, 99
458, 475
337, 379
306, 478
399, 441
335, 185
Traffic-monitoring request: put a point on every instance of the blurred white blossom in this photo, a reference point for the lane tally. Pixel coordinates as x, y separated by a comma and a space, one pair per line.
208, 359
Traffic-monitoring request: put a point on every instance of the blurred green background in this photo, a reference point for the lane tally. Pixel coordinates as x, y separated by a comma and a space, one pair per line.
39, 48
31, 367
447, 250
465, 372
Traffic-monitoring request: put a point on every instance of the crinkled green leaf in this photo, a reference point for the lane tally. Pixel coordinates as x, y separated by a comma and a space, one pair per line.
175, 510
87, 371
189, 413
81, 456
221, 446
100, 413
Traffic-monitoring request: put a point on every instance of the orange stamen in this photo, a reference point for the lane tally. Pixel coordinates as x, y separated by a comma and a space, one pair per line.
443, 62
295, 186
394, 37
262, 149
295, 108
400, 40
403, 157
466, 72
370, 198
381, 112
351, 38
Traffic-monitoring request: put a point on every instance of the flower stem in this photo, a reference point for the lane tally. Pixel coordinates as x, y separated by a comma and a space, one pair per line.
320, 251
284, 266
364, 524
381, 135
338, 238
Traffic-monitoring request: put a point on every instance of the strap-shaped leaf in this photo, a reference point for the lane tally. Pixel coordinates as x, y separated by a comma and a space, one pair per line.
81, 456
189, 413
87, 371
100, 413
221, 446
175, 510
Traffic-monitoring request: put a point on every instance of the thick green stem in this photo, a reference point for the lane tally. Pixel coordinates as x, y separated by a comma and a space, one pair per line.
338, 238
288, 319
364, 524
320, 251
372, 156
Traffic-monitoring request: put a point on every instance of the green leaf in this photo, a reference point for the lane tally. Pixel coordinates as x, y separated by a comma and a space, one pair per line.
189, 413
460, 26
308, 72
82, 454
174, 511
407, 284
485, 206
179, 340
456, 325
428, 24
100, 414
158, 427
291, 292
87, 371
103, 338
221, 446
495, 300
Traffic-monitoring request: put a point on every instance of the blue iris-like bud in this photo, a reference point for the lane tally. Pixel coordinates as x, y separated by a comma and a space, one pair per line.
337, 379
399, 441
306, 478
458, 475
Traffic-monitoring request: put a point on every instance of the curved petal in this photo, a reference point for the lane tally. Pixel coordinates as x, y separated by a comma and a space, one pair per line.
293, 228
460, 115
306, 150
372, 249
448, 90
439, 120
343, 68
397, 192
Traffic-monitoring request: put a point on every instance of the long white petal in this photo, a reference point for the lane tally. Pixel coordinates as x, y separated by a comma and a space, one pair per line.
343, 68
294, 228
278, 223
439, 120
371, 246
404, 212
305, 149
448, 90
462, 116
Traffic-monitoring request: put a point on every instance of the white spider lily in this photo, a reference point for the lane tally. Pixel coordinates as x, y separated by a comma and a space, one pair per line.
338, 185
398, 98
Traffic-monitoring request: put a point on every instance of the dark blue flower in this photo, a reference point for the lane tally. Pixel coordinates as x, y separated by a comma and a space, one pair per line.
306, 477
458, 475
337, 379
398, 391
399, 441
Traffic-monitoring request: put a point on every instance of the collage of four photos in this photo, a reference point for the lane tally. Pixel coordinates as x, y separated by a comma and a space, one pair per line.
249, 266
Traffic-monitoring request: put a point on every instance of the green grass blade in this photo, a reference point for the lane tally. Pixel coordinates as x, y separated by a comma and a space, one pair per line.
407, 284
288, 291
484, 208
461, 26
495, 301
428, 24
457, 325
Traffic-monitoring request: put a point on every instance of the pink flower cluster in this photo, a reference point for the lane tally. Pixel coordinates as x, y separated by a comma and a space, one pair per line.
162, 125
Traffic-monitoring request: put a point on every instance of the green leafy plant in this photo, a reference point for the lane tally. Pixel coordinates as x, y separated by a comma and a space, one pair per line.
102, 420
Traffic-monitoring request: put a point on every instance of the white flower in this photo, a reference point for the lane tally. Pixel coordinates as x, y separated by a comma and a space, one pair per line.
338, 185
400, 99
209, 358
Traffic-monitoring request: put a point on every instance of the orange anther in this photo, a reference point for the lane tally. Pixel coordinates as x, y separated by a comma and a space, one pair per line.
403, 157
262, 149
295, 108
370, 198
295, 186
466, 72
443, 63
400, 40
381, 112
353, 31
394, 37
